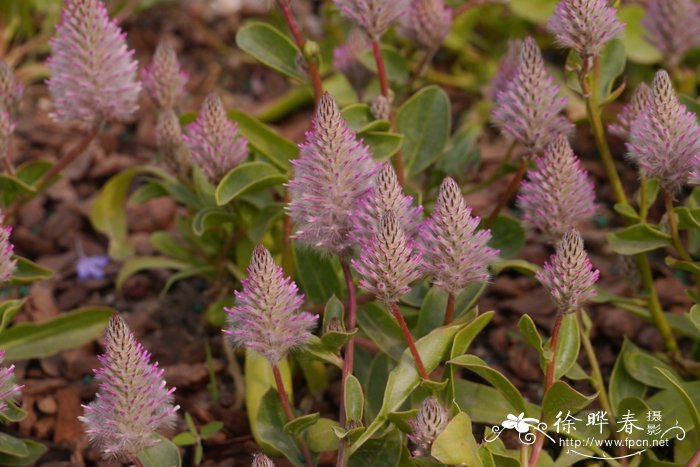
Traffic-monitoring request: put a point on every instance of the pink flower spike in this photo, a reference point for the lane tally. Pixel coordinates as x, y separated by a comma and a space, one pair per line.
507, 69
333, 173
374, 16
427, 23
133, 402
266, 318
454, 252
673, 27
558, 193
641, 99
214, 141
584, 25
529, 107
10, 90
569, 276
164, 79
430, 422
7, 263
9, 390
93, 75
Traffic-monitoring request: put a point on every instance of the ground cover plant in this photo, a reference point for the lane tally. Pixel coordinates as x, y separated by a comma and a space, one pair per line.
349, 232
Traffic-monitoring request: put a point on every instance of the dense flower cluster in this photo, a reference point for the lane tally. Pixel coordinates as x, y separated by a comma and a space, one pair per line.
569, 275
529, 107
558, 193
454, 253
93, 75
641, 99
427, 22
9, 390
261, 460
7, 263
673, 27
665, 137
431, 420
373, 16
172, 147
164, 79
214, 141
333, 173
132, 402
584, 25
266, 317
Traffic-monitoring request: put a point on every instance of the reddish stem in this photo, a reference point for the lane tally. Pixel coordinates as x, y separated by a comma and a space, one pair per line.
409, 340
286, 8
509, 193
136, 462
695, 460
288, 412
450, 310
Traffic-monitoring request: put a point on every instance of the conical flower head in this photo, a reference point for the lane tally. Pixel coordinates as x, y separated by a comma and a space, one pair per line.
389, 264
346, 59
261, 460
385, 196
673, 27
333, 172
9, 390
174, 151
558, 193
454, 252
665, 137
529, 108
214, 141
507, 69
373, 16
584, 25
427, 23
641, 99
569, 276
266, 317
132, 402
93, 75
430, 422
164, 79
10, 90
7, 263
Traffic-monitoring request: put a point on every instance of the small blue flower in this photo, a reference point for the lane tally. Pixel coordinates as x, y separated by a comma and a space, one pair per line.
89, 267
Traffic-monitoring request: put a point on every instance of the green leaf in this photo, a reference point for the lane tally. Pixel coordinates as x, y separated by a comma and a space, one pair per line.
693, 315
210, 218
12, 446
12, 413
562, 397
8, 310
456, 444
638, 238
688, 218
536, 11
425, 121
316, 274
163, 454
521, 266
532, 336
627, 211
382, 144
622, 385
500, 382
321, 437
485, 404
432, 311
672, 378
638, 49
334, 310
354, 399
507, 235
270, 420
315, 348
271, 47
67, 331
28, 272
276, 149
468, 333
358, 116
211, 428
12, 188
141, 263
568, 345
184, 439
612, 61
246, 178
378, 452
405, 378
376, 321
644, 368
300, 424
34, 452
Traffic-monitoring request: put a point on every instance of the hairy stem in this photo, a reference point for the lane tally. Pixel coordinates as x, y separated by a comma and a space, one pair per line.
675, 235
286, 8
409, 340
450, 309
397, 158
509, 193
290, 415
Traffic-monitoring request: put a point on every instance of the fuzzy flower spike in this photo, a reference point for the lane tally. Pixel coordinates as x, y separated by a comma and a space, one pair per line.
214, 141
427, 23
569, 276
529, 107
507, 69
7, 263
266, 317
455, 254
9, 391
93, 75
164, 79
333, 173
665, 138
132, 402
558, 193
641, 99
584, 25
673, 27
373, 16
430, 422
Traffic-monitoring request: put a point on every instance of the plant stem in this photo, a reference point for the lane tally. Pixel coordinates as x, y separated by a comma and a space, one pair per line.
596, 374
590, 95
509, 193
409, 340
468, 5
286, 8
136, 462
286, 406
68, 158
676, 237
397, 158
548, 382
450, 309
348, 356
